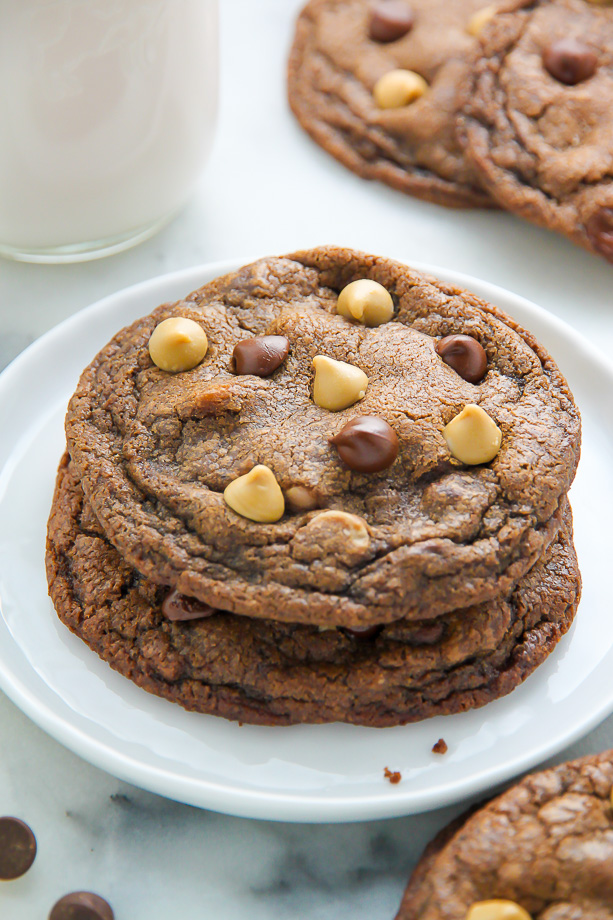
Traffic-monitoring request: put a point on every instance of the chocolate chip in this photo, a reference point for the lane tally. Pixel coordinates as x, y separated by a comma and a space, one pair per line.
82, 905
465, 355
261, 355
599, 228
17, 848
390, 20
180, 607
366, 444
570, 61
363, 632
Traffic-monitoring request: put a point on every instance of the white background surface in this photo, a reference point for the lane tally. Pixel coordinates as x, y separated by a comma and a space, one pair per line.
267, 188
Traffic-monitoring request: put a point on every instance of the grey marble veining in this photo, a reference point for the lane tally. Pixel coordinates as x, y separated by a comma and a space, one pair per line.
268, 188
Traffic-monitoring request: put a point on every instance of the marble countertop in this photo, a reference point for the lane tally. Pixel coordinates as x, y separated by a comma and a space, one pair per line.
266, 189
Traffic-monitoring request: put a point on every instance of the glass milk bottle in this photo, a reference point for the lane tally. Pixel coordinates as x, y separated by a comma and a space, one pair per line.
107, 114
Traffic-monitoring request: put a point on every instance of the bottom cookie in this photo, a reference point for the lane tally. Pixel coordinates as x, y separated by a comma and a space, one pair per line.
274, 673
546, 845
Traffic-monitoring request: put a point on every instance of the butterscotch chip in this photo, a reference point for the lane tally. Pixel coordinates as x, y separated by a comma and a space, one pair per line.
497, 910
178, 344
256, 496
366, 301
353, 528
472, 436
398, 88
337, 384
299, 498
480, 19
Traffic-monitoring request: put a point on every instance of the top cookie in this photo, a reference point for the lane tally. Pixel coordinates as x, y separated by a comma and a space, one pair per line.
341, 50
156, 451
545, 845
538, 120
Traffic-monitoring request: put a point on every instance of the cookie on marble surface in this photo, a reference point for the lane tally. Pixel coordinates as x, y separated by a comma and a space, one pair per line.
538, 122
545, 847
170, 461
273, 673
398, 129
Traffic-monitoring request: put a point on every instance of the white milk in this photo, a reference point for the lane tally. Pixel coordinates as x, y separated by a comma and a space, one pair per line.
107, 113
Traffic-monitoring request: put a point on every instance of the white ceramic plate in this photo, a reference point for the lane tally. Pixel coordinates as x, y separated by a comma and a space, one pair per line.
301, 773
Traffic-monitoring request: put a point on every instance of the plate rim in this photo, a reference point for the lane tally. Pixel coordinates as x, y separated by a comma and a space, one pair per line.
261, 803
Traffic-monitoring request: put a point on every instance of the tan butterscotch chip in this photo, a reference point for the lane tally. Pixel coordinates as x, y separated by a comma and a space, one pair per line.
472, 436
256, 496
337, 385
299, 498
177, 344
366, 301
353, 527
497, 910
398, 88
480, 19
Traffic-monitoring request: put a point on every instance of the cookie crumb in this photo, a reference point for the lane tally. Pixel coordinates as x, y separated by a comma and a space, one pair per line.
393, 777
440, 747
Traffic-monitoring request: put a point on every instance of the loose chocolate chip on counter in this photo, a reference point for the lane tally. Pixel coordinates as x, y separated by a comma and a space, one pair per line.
390, 20
261, 355
599, 228
82, 905
440, 747
464, 355
178, 607
366, 444
363, 632
17, 848
570, 61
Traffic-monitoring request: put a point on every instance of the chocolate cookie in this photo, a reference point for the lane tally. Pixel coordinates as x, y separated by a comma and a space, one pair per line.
399, 129
273, 673
538, 116
173, 462
545, 845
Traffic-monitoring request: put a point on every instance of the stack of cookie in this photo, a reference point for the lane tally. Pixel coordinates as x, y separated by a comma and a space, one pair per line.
464, 104
324, 487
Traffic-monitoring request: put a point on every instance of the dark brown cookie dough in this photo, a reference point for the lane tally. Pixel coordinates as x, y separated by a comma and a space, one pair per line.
155, 451
538, 116
545, 844
267, 672
334, 66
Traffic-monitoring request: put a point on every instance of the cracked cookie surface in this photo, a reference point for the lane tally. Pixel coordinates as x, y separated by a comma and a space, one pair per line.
155, 451
334, 66
272, 673
545, 844
543, 145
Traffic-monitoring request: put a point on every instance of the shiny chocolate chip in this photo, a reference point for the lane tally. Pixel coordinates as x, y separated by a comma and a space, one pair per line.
570, 61
366, 444
82, 905
390, 20
363, 632
464, 355
599, 229
178, 607
17, 848
260, 356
